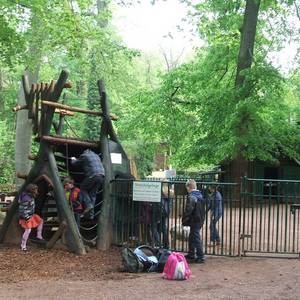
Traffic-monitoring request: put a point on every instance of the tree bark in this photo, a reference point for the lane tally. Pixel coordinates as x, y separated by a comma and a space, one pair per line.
23, 132
239, 166
105, 226
245, 56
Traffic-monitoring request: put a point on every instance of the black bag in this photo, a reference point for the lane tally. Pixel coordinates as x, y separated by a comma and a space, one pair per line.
131, 262
162, 260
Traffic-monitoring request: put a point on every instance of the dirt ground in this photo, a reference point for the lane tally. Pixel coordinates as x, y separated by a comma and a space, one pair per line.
57, 274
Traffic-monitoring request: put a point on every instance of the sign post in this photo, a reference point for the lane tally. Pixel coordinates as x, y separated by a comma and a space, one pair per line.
146, 191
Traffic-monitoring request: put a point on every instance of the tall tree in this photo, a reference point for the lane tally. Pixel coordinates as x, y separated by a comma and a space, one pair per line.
244, 62
229, 100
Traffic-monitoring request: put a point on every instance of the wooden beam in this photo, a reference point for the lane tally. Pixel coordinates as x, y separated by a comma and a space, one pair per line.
19, 107
64, 112
72, 235
11, 194
104, 106
25, 82
68, 85
77, 109
45, 178
63, 140
32, 157
21, 175
60, 231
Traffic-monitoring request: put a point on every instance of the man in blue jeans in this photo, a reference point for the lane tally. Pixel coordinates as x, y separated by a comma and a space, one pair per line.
93, 179
194, 216
215, 206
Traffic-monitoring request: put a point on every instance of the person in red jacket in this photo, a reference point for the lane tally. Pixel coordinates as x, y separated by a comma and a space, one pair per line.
74, 197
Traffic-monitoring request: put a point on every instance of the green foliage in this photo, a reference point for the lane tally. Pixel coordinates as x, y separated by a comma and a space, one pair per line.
47, 36
198, 110
195, 109
7, 153
11, 43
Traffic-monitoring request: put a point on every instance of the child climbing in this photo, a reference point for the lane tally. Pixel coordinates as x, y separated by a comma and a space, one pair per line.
94, 174
75, 198
28, 219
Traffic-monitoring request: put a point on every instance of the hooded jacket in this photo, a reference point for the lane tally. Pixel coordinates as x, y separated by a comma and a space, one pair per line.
26, 206
91, 163
194, 213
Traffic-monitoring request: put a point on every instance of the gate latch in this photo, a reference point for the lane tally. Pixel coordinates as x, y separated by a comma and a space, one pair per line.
242, 236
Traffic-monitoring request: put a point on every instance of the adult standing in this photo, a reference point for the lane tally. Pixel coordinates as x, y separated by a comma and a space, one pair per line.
94, 174
215, 205
194, 216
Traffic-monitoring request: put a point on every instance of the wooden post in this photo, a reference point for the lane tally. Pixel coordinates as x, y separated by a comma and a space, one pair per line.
74, 241
60, 231
36, 110
104, 229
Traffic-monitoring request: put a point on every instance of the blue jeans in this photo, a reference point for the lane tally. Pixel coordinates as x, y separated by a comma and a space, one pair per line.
158, 229
195, 242
89, 188
214, 234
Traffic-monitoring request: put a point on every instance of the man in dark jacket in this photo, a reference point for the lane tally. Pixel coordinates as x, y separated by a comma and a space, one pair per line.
194, 216
93, 179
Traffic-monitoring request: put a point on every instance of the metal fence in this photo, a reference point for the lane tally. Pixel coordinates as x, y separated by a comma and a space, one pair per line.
257, 217
270, 217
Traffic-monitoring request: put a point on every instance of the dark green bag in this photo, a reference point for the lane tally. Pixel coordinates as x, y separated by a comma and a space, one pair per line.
131, 262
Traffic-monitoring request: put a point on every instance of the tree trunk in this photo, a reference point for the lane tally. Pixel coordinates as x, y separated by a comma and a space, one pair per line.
239, 166
23, 132
245, 57
105, 226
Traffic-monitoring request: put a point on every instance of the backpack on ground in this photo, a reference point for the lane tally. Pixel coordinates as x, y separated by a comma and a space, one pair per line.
147, 256
131, 261
176, 267
162, 260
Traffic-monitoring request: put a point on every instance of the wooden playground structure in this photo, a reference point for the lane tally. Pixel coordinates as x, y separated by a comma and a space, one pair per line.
52, 163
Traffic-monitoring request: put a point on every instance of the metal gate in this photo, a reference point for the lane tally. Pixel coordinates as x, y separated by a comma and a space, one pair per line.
270, 217
261, 217
137, 223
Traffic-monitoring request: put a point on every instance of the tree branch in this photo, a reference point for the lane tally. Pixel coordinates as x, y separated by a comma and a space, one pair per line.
297, 10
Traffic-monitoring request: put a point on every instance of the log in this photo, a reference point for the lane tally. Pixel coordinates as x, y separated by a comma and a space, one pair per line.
30, 101
35, 128
19, 107
45, 178
11, 194
60, 231
74, 241
21, 175
59, 86
105, 228
104, 106
5, 209
62, 112
77, 109
62, 140
68, 85
25, 82
32, 157
53, 95
8, 218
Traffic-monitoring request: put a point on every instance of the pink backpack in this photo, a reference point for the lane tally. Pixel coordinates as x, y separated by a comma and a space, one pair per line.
176, 267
